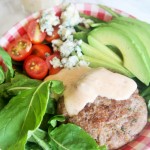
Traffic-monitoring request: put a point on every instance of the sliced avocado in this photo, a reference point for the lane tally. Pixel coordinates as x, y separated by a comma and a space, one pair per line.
115, 50
132, 59
141, 49
94, 63
140, 31
93, 52
134, 21
104, 49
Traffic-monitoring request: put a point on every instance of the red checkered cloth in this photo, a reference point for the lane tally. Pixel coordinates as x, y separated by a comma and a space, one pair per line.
142, 142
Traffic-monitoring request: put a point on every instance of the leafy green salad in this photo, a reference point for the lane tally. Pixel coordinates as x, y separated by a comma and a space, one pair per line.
28, 117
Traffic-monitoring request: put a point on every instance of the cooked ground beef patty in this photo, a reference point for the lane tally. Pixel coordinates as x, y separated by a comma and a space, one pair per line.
111, 122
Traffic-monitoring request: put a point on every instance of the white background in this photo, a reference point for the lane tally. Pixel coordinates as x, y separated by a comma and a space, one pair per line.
11, 11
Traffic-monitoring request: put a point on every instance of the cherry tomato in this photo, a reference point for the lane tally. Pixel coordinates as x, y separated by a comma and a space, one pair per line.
35, 34
41, 50
51, 69
20, 49
54, 70
55, 35
35, 67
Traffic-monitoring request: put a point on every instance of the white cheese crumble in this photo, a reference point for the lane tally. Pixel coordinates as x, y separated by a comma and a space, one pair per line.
69, 48
47, 21
55, 62
65, 32
71, 16
56, 44
70, 62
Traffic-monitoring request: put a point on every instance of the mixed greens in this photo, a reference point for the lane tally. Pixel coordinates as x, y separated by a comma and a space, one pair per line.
28, 118
28, 114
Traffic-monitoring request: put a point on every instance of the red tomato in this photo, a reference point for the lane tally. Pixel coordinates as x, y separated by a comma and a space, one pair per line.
35, 34
51, 69
20, 49
35, 67
55, 35
54, 70
41, 50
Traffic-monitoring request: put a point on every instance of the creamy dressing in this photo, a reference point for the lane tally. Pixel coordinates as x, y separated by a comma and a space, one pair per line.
69, 76
98, 82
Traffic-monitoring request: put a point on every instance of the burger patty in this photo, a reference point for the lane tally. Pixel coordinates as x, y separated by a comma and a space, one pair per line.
110, 122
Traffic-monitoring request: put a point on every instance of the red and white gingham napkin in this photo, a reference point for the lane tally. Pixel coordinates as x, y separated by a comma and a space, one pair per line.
142, 142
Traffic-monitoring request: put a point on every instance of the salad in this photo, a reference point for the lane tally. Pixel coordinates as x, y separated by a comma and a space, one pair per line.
52, 42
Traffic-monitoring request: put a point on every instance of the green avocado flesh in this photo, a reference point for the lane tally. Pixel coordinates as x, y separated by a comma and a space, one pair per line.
133, 21
93, 52
104, 49
137, 41
139, 29
133, 59
94, 63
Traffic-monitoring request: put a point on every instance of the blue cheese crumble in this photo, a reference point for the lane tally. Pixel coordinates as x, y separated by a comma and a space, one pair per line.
55, 62
65, 32
47, 22
70, 62
71, 16
56, 44
70, 49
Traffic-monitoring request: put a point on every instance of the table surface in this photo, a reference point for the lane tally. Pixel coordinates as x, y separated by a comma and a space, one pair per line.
13, 12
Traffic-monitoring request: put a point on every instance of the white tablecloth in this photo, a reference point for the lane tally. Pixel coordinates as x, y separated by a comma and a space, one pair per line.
12, 10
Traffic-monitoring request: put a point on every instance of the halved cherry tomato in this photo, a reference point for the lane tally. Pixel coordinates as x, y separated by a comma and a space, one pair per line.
53, 70
35, 34
55, 35
35, 67
41, 50
20, 49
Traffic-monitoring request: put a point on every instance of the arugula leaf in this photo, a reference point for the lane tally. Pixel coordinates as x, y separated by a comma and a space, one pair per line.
69, 136
56, 90
32, 146
40, 138
24, 112
2, 76
81, 36
51, 106
16, 85
38, 132
42, 143
80, 28
8, 62
2, 104
53, 121
21, 82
